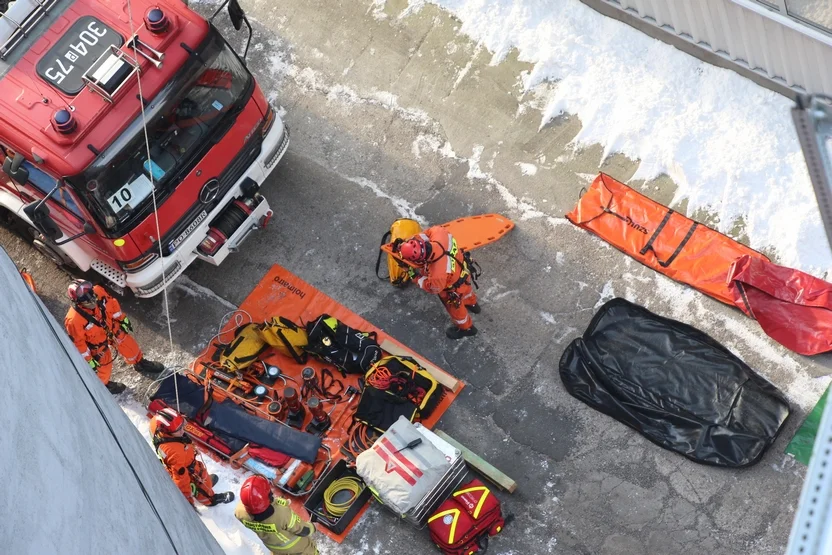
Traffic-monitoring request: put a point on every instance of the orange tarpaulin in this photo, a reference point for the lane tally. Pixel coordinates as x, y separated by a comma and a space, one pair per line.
281, 293
659, 237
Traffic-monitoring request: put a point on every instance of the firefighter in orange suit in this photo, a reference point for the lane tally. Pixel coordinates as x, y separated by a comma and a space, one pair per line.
444, 270
95, 321
280, 529
178, 454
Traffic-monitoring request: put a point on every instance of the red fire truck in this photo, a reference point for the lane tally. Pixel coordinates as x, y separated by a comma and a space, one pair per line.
133, 138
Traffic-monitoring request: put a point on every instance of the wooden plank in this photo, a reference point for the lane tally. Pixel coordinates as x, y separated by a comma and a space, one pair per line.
438, 374
494, 475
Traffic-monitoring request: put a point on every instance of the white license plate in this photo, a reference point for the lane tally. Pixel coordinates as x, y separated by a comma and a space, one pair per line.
188, 230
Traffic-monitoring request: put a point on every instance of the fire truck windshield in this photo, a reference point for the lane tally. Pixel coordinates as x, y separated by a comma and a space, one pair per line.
188, 116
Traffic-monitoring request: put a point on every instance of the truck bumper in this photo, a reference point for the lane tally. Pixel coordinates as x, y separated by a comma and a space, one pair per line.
151, 280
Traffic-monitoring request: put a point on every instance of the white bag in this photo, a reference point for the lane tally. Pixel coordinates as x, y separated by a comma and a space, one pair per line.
401, 479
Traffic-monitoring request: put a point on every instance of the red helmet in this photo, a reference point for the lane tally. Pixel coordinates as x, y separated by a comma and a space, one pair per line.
169, 421
80, 291
256, 494
415, 250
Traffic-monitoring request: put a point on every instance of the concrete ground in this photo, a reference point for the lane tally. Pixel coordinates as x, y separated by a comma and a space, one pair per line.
393, 113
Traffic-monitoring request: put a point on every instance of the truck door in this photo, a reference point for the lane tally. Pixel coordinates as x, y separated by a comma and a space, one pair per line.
62, 207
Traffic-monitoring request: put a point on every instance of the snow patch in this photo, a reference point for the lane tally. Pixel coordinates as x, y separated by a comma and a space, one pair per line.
193, 289
377, 10
526, 169
607, 293
403, 207
413, 7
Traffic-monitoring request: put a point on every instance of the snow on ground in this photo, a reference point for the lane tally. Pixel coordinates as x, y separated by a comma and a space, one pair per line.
728, 143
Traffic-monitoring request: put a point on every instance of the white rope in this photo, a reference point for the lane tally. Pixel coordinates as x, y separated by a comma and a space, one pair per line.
152, 190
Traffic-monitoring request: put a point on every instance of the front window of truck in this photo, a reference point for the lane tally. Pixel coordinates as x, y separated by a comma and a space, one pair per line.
188, 116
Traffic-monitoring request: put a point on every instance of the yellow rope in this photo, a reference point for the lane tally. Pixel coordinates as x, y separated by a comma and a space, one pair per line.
348, 483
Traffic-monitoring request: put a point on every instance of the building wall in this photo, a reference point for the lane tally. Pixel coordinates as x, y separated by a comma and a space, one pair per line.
78, 478
785, 45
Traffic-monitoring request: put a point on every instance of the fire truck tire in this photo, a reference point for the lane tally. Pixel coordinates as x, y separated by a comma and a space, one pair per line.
49, 250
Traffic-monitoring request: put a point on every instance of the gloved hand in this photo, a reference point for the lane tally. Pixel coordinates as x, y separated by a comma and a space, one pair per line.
412, 273
94, 364
126, 325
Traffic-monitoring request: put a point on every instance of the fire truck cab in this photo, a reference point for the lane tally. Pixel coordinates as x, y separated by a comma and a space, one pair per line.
133, 138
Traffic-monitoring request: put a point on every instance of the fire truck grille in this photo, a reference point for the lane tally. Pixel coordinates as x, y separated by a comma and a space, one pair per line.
241, 162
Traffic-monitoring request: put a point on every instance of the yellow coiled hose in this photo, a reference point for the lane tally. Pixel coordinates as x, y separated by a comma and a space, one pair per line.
347, 483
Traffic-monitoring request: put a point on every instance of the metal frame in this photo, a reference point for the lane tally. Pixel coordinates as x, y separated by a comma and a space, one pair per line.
812, 117
92, 82
783, 10
24, 26
811, 531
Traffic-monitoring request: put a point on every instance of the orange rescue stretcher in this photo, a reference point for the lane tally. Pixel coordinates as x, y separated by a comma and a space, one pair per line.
659, 237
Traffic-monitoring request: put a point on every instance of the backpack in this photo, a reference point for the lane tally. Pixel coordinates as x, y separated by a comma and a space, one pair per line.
350, 350
247, 346
404, 378
461, 525
380, 409
287, 338
397, 271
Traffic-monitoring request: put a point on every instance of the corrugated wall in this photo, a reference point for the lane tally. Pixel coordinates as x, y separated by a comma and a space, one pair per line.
782, 52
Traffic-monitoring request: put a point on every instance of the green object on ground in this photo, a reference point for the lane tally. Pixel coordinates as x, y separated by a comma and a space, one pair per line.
800, 447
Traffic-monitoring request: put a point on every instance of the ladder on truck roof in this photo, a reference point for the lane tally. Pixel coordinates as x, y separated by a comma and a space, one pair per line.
114, 67
19, 18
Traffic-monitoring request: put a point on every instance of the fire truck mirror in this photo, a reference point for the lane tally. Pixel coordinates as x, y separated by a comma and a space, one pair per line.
13, 167
38, 212
235, 12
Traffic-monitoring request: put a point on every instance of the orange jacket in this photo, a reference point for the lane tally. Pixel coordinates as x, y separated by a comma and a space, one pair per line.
444, 268
89, 337
179, 457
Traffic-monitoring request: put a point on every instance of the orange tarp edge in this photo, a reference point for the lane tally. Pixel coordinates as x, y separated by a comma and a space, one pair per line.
281, 293
660, 238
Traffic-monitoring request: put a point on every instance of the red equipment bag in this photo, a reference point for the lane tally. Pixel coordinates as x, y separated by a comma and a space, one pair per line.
467, 516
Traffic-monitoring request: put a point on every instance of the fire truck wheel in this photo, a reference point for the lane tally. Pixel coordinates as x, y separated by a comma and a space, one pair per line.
49, 250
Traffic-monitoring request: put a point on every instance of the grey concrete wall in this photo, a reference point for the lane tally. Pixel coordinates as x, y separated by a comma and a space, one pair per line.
77, 476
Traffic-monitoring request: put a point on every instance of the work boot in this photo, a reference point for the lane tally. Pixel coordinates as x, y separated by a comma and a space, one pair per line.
224, 497
474, 308
214, 479
454, 332
145, 366
115, 387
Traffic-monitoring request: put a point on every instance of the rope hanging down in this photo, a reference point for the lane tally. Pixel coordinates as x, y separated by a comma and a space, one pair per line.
153, 193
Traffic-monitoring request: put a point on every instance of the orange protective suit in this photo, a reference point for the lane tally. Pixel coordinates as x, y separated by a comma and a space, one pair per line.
178, 454
94, 334
445, 275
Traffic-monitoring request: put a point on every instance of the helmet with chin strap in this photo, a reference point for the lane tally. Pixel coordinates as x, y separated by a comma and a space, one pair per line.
415, 250
80, 291
169, 421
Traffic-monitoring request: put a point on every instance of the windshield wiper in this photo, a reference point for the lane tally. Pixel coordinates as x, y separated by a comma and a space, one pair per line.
193, 53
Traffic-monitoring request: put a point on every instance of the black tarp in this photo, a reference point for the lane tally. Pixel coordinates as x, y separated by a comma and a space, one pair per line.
234, 425
675, 385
